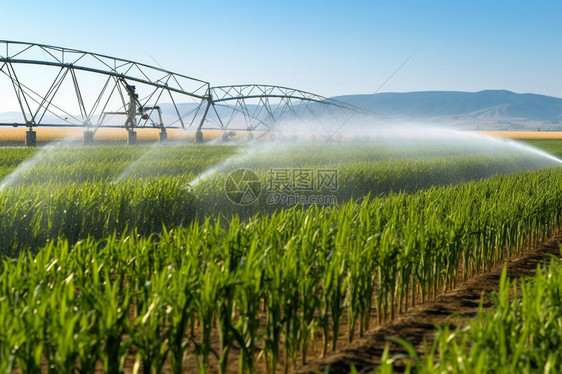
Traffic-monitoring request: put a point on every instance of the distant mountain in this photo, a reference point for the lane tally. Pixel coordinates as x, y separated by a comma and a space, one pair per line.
484, 110
490, 109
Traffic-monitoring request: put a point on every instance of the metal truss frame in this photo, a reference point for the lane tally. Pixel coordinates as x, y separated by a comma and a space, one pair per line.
270, 104
261, 106
120, 75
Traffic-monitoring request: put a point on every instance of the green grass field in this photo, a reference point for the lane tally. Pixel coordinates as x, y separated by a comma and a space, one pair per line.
552, 146
112, 253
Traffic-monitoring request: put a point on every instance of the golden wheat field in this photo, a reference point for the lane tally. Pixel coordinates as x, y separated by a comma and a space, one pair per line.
45, 135
524, 135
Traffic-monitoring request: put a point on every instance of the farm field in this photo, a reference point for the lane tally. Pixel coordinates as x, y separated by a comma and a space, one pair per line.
15, 136
136, 258
46, 135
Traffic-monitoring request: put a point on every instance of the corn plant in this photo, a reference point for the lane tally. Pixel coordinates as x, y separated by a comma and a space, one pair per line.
98, 267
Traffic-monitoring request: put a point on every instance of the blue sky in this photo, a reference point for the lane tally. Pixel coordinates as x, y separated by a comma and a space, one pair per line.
326, 47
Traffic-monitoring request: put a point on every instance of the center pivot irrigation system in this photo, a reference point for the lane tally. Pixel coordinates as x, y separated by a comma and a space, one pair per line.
62, 87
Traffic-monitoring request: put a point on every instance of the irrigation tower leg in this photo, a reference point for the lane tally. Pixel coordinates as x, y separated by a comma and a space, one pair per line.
163, 137
30, 138
88, 137
132, 138
198, 136
224, 137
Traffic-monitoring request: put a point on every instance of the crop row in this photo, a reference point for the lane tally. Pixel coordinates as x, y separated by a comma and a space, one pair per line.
59, 165
266, 285
31, 216
352, 178
74, 193
520, 334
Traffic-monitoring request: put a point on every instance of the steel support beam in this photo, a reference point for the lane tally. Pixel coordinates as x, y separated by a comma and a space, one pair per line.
132, 95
